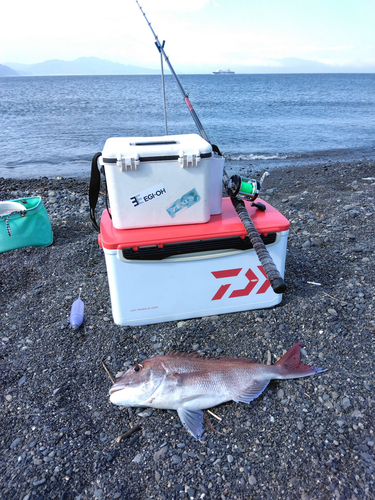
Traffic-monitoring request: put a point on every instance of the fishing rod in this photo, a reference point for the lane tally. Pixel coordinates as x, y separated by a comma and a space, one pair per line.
163, 89
160, 48
236, 187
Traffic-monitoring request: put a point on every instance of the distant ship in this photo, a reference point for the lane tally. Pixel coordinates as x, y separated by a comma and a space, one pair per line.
222, 72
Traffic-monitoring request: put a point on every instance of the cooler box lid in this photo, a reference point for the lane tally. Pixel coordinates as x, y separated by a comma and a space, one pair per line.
150, 149
226, 225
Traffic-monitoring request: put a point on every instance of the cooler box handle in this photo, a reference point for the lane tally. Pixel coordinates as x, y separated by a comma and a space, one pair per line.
190, 159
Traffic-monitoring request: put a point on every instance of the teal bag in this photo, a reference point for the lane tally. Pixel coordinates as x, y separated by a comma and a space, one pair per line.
27, 227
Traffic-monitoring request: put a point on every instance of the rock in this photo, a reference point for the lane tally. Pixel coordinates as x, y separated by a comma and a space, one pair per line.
146, 413
332, 311
346, 402
367, 457
280, 393
161, 453
306, 245
39, 482
191, 493
354, 213
138, 458
252, 480
15, 443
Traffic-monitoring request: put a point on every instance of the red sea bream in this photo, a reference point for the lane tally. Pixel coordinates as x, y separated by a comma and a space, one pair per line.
189, 383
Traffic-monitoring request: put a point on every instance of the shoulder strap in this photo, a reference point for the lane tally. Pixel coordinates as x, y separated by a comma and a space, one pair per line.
94, 188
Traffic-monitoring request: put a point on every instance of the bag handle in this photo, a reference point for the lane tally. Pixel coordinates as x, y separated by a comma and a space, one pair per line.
94, 189
6, 218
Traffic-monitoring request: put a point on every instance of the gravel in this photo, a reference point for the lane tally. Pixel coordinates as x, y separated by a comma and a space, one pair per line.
304, 439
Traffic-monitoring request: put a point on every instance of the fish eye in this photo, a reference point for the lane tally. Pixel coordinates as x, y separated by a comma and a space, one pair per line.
137, 368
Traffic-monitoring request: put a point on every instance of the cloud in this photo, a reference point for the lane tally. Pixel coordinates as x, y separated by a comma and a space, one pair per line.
270, 63
340, 48
347, 62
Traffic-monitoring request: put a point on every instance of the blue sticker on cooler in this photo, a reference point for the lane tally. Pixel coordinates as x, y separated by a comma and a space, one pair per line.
186, 201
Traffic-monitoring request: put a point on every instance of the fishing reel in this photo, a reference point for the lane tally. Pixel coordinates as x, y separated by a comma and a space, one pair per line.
247, 189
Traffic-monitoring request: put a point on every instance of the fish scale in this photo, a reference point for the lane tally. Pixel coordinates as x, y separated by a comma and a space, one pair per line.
189, 383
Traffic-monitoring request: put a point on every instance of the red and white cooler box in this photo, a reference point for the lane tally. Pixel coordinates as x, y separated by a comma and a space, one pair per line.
173, 273
162, 181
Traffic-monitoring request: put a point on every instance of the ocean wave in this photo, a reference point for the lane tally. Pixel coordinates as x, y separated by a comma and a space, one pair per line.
257, 156
318, 155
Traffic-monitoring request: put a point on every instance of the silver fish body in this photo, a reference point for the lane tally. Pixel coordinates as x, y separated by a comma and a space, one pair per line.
189, 383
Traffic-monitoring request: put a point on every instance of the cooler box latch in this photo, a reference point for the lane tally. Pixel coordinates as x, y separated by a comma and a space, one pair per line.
127, 162
190, 159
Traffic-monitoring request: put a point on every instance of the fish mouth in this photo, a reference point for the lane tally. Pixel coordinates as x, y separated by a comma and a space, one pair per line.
114, 389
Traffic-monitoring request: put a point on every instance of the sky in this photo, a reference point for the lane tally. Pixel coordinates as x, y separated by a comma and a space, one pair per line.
201, 35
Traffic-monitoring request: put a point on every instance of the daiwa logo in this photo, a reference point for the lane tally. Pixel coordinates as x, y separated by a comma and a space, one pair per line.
148, 195
242, 292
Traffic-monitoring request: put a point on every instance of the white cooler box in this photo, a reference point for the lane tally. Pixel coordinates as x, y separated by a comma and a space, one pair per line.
162, 181
174, 273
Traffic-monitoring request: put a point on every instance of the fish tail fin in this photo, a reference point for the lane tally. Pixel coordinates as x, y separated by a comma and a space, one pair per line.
290, 364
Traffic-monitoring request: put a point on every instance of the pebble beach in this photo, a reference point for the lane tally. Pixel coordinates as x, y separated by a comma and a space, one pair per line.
306, 439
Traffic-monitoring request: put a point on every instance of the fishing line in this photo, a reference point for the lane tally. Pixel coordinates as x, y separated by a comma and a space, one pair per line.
77, 311
88, 262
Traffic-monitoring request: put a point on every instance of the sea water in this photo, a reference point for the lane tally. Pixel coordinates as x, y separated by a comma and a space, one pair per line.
52, 126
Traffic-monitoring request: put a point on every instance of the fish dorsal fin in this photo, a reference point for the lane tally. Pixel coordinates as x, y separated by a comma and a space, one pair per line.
192, 420
236, 360
180, 354
252, 392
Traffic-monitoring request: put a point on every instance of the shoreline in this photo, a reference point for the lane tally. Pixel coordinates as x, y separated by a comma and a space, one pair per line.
235, 165
301, 439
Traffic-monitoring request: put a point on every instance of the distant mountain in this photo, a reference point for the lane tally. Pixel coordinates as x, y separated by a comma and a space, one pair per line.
80, 66
290, 65
7, 71
96, 66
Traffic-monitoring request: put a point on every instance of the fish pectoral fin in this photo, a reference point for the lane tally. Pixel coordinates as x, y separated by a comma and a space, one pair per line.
252, 392
192, 420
